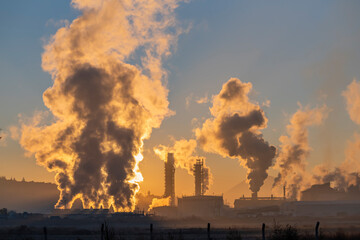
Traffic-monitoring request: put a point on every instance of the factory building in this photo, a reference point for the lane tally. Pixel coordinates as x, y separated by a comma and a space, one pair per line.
201, 206
324, 192
258, 202
170, 178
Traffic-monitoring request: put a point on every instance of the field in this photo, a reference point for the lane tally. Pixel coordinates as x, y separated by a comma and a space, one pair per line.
153, 228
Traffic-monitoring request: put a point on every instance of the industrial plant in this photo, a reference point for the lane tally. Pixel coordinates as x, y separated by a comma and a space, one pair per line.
202, 205
332, 201
320, 201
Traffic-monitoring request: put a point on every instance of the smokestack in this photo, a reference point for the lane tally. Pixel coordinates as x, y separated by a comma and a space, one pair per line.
169, 178
198, 172
185, 157
254, 196
284, 192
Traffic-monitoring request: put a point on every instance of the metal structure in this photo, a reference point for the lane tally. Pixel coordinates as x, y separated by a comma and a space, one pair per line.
198, 172
170, 177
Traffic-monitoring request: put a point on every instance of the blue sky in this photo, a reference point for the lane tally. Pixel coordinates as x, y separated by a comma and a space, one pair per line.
298, 51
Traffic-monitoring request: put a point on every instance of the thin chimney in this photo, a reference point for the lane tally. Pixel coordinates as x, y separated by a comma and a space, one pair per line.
198, 172
170, 177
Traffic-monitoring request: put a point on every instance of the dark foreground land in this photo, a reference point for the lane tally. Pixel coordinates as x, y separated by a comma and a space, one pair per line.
138, 227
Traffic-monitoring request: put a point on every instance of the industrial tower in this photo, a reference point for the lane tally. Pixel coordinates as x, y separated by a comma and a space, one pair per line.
170, 178
198, 172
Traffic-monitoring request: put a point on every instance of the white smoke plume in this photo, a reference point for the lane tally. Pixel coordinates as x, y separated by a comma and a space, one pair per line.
346, 173
352, 157
352, 97
295, 149
159, 202
103, 107
185, 158
3, 138
340, 178
235, 131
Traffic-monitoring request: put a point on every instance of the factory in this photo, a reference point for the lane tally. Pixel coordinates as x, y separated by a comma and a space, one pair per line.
258, 202
324, 192
169, 170
318, 200
199, 204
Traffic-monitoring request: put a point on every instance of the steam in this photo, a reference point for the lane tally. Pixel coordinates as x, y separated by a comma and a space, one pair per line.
234, 131
295, 149
347, 173
159, 202
185, 158
352, 97
103, 108
341, 179
3, 138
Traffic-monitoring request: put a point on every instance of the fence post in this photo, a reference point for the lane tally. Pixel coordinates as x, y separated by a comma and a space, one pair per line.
208, 231
151, 231
263, 231
102, 232
45, 233
317, 230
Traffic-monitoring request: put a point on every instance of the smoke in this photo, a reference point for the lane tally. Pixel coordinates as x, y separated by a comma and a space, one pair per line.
234, 131
102, 107
352, 151
203, 100
291, 161
341, 179
184, 154
159, 202
346, 173
3, 138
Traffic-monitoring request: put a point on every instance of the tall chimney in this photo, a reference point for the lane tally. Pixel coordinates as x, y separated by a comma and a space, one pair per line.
254, 196
198, 177
284, 192
170, 178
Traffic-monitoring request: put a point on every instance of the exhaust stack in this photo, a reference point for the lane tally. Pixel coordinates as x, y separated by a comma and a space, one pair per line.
170, 178
198, 172
254, 196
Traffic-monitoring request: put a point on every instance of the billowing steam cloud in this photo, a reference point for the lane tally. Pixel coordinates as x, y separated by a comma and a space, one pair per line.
347, 173
352, 152
352, 97
184, 154
159, 202
103, 108
291, 161
234, 131
339, 177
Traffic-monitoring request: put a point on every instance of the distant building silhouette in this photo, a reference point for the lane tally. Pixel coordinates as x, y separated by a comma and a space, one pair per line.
324, 192
170, 177
198, 172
